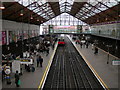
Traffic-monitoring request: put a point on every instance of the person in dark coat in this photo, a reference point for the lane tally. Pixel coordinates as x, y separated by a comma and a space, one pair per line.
47, 51
86, 44
40, 60
37, 60
17, 78
96, 50
81, 44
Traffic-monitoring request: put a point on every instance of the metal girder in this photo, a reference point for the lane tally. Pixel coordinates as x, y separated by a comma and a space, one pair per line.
76, 17
83, 11
108, 7
45, 11
26, 13
37, 12
102, 11
13, 3
54, 8
19, 10
78, 6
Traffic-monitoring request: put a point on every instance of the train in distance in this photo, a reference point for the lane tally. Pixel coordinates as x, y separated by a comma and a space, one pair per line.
61, 41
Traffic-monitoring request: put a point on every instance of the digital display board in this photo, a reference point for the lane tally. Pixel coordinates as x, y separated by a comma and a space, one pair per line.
65, 29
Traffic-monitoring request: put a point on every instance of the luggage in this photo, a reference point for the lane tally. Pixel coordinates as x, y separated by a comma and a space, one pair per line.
33, 69
19, 82
8, 82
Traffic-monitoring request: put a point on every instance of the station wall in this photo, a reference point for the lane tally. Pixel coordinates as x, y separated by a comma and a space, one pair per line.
11, 25
14, 31
107, 29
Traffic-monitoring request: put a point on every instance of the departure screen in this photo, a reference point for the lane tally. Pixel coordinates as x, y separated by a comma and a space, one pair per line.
65, 29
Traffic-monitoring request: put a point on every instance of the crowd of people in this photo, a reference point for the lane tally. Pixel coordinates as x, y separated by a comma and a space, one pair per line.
34, 51
85, 43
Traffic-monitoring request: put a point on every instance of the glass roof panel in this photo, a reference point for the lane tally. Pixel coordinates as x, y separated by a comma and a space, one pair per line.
96, 6
64, 19
63, 3
43, 9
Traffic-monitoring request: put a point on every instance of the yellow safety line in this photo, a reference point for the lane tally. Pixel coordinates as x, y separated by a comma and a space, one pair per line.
108, 53
43, 77
91, 67
95, 72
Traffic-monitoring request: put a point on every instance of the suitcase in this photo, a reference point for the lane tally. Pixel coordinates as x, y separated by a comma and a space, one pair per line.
33, 69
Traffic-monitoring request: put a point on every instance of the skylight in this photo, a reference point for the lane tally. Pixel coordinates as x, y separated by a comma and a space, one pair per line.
41, 7
65, 4
95, 6
64, 19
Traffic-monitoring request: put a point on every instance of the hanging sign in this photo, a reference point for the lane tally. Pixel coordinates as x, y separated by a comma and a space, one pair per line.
115, 62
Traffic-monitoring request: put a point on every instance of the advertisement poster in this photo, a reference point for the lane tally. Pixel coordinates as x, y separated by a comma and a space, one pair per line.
3, 37
16, 66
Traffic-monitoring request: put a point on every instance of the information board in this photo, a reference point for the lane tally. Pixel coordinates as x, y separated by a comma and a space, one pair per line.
65, 29
16, 66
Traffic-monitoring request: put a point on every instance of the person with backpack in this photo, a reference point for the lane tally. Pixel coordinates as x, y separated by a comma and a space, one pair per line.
17, 79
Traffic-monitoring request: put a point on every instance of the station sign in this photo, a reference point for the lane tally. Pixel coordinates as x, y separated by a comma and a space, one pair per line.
115, 62
26, 61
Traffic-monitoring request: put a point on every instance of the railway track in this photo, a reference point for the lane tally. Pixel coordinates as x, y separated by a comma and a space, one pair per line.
69, 70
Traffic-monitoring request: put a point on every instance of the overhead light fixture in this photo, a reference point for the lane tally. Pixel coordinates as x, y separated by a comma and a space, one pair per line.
31, 17
106, 18
97, 20
119, 15
37, 19
21, 13
1, 6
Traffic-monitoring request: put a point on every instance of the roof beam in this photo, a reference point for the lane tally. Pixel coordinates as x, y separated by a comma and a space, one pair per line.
19, 10
102, 11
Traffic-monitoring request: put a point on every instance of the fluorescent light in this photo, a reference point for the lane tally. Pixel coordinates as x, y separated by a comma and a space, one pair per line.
2, 7
21, 14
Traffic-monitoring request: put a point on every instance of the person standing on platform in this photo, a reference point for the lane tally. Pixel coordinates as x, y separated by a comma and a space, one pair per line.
93, 46
37, 60
17, 79
47, 51
86, 44
96, 50
40, 60
81, 44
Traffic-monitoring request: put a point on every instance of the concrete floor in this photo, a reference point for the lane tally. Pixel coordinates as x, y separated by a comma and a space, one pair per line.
107, 72
32, 79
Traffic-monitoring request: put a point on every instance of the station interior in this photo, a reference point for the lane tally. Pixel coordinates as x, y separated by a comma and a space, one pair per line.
60, 44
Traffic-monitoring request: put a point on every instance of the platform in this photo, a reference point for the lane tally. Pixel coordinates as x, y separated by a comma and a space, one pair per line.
32, 79
106, 72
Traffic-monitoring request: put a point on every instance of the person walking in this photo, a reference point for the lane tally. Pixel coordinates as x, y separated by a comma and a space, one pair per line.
40, 60
17, 79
